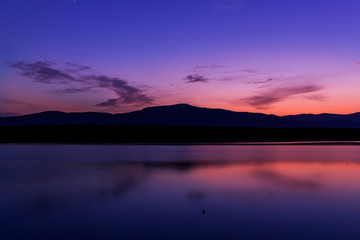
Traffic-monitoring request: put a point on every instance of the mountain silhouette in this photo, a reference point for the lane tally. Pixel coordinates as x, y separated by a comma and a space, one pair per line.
329, 120
186, 115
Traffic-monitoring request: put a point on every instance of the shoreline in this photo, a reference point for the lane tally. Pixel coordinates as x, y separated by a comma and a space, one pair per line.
281, 143
176, 135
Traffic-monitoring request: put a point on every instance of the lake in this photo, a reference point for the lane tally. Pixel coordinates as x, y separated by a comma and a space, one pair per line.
179, 192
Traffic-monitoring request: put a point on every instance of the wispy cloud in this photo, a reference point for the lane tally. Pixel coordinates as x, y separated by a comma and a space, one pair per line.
224, 73
357, 63
317, 97
42, 71
73, 90
248, 71
266, 99
74, 68
252, 71
7, 114
207, 67
195, 78
14, 102
126, 94
261, 81
80, 80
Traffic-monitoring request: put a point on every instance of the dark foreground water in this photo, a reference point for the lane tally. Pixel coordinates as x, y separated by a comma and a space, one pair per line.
179, 192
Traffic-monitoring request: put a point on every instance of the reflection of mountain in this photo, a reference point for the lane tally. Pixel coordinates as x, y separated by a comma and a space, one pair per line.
183, 114
44, 187
62, 178
283, 180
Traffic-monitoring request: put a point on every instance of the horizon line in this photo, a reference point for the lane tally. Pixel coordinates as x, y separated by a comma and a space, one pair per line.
170, 105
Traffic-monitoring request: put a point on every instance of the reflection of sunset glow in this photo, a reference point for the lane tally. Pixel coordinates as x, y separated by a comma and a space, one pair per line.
285, 176
173, 192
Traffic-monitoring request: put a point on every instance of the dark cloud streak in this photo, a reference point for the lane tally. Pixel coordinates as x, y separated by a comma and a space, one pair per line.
11, 101
72, 90
208, 67
127, 94
42, 72
74, 68
195, 78
7, 114
262, 101
261, 82
71, 73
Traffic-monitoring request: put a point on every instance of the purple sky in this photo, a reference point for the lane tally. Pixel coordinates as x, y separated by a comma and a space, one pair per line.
279, 56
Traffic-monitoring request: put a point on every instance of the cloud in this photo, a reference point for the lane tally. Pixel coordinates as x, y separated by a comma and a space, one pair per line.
11, 102
8, 101
43, 72
222, 73
207, 67
261, 82
74, 74
317, 97
73, 67
7, 114
245, 78
232, 78
357, 63
216, 67
72, 90
264, 100
195, 78
126, 94
249, 71
253, 71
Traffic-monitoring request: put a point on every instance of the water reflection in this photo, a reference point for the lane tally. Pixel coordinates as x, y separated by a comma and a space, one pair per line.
178, 192
44, 188
283, 180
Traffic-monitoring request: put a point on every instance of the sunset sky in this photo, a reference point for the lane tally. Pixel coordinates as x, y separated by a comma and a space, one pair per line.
271, 56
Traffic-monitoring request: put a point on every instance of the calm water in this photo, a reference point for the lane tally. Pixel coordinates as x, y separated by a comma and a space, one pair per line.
179, 192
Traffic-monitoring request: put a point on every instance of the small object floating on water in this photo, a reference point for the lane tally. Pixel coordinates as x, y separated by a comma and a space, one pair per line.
203, 211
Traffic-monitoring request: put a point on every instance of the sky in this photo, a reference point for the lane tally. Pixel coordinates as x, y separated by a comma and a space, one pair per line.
271, 56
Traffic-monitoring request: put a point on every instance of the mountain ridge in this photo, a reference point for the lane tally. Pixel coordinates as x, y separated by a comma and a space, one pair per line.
185, 114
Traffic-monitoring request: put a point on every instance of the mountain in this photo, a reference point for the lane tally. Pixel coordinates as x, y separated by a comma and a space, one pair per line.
184, 114
58, 118
329, 120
